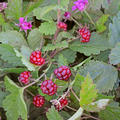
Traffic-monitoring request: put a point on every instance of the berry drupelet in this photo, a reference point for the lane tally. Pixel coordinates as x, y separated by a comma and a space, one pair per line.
85, 34
63, 73
48, 87
38, 100
36, 59
25, 77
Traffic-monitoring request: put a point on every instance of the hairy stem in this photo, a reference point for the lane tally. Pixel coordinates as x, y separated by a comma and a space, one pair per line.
76, 22
89, 17
91, 116
75, 95
37, 80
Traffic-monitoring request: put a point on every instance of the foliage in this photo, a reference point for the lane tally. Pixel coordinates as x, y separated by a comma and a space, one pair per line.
105, 77
92, 64
88, 92
14, 103
52, 114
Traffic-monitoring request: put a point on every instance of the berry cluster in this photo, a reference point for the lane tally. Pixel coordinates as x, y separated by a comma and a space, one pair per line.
25, 77
61, 104
62, 25
85, 34
48, 87
62, 73
35, 58
38, 101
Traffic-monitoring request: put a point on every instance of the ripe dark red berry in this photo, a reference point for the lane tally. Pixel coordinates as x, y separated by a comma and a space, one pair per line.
63, 73
62, 25
48, 87
61, 104
85, 34
35, 58
25, 77
38, 101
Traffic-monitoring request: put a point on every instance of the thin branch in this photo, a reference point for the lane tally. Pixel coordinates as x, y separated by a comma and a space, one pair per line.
71, 108
75, 95
91, 116
58, 20
76, 22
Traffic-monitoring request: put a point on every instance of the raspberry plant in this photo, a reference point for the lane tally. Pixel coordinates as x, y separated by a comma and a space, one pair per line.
59, 60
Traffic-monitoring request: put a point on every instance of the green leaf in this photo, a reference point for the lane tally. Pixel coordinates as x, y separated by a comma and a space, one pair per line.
64, 4
77, 83
97, 106
8, 54
77, 115
64, 114
97, 43
103, 56
25, 61
64, 35
114, 29
14, 104
49, 47
34, 39
53, 114
14, 10
62, 60
68, 54
112, 112
41, 12
96, 4
88, 92
32, 6
13, 38
63, 86
100, 23
3, 94
104, 75
114, 56
26, 52
13, 70
113, 7
48, 28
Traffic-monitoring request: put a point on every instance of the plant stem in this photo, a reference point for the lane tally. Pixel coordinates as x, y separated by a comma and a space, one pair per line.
58, 20
91, 116
83, 62
76, 22
34, 81
89, 17
75, 95
37, 80
71, 108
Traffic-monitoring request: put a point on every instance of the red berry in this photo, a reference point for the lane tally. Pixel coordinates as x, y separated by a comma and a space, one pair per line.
25, 77
63, 73
61, 104
85, 34
48, 87
35, 58
38, 100
62, 25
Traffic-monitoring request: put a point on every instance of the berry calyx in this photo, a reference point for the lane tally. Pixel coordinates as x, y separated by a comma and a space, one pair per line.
48, 87
63, 73
62, 25
61, 104
85, 34
38, 100
35, 58
25, 77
